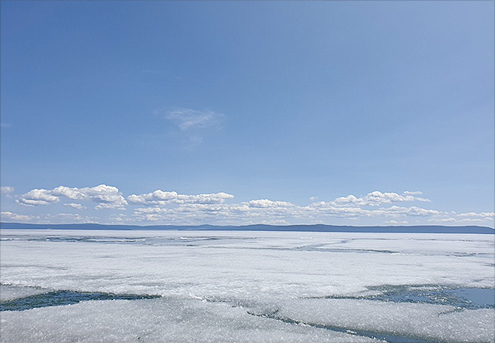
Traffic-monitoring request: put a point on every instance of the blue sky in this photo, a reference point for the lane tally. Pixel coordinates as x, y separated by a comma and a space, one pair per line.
331, 112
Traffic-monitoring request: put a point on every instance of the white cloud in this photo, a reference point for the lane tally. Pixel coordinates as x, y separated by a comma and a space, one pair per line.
110, 205
169, 207
350, 199
146, 210
192, 125
188, 119
413, 193
196, 213
102, 194
265, 210
7, 190
468, 218
152, 217
9, 216
412, 211
443, 220
351, 206
37, 197
395, 222
106, 196
76, 206
275, 222
488, 215
378, 198
161, 198
69, 216
265, 203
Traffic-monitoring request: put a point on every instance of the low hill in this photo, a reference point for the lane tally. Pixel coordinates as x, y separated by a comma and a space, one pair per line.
262, 227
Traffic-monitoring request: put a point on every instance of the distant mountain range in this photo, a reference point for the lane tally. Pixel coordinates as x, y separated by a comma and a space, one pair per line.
262, 227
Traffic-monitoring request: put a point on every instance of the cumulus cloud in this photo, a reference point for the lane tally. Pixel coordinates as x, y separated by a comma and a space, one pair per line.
152, 217
395, 222
255, 211
9, 216
377, 198
170, 207
412, 211
37, 197
69, 216
162, 198
487, 215
265, 203
76, 206
7, 190
101, 194
265, 210
106, 196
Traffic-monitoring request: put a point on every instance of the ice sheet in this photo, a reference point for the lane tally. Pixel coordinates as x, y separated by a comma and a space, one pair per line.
164, 320
435, 322
252, 271
226, 263
12, 292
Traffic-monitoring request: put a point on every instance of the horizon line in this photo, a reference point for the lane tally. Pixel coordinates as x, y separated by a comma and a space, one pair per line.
261, 227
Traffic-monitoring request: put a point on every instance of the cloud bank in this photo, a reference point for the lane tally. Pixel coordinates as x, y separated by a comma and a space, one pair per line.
170, 207
161, 198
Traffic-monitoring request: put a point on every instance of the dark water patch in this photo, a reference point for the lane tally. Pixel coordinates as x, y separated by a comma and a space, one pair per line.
466, 298
59, 298
478, 297
459, 297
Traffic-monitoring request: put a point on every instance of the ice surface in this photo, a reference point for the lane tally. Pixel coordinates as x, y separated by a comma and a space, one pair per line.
243, 286
435, 322
12, 292
163, 320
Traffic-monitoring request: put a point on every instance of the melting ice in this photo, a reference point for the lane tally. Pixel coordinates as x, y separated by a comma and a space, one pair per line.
190, 286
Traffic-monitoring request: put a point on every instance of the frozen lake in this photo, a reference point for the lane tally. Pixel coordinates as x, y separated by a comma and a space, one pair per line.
227, 286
